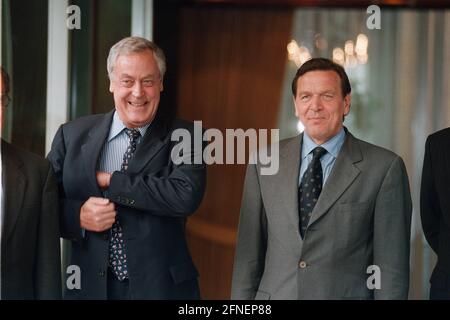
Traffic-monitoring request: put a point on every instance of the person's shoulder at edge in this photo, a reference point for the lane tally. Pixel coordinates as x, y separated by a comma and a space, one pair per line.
32, 162
85, 120
25, 155
179, 123
442, 134
279, 146
371, 150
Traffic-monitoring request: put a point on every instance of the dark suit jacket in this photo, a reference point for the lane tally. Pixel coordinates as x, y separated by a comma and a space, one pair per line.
153, 199
30, 250
435, 203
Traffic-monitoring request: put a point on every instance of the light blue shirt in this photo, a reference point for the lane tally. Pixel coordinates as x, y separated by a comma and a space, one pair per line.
111, 157
333, 146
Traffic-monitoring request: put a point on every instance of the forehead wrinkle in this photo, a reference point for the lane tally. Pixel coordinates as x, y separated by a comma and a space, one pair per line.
125, 75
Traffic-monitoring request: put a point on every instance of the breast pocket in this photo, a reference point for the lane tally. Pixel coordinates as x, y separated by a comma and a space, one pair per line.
354, 207
353, 224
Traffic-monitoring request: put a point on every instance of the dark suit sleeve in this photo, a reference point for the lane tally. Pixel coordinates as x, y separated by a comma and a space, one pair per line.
392, 233
252, 240
69, 208
48, 263
173, 191
430, 212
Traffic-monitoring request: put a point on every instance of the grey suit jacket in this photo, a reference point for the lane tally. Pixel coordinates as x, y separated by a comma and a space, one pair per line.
362, 218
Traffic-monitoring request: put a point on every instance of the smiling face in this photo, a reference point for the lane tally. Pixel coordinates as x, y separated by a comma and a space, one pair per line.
319, 104
136, 84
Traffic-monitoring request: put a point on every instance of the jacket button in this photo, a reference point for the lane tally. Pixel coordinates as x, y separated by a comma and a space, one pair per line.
101, 273
302, 264
105, 236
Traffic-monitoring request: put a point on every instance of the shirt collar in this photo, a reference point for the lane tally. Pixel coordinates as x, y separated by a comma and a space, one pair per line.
117, 127
333, 146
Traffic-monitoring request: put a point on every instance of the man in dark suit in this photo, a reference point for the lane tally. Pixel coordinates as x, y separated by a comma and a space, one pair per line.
435, 209
124, 200
29, 224
336, 213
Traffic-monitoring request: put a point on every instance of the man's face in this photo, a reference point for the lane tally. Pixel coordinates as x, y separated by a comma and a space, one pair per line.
136, 84
319, 104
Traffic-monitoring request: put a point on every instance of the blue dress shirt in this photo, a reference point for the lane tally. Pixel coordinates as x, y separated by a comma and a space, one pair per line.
333, 146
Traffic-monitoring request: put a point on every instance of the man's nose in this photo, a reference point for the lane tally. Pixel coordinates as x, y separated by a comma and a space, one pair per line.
316, 103
138, 90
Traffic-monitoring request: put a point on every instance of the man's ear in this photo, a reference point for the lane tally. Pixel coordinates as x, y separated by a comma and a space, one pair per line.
111, 89
347, 103
295, 107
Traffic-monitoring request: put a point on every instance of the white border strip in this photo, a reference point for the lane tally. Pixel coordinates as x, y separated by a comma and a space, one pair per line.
57, 69
142, 18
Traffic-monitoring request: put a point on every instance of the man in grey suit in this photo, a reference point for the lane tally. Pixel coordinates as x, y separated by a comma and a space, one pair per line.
334, 221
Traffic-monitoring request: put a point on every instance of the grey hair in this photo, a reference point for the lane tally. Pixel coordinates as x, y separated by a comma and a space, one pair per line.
135, 45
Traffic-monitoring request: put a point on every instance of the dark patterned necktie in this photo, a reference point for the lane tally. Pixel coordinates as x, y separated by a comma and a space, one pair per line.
117, 250
310, 188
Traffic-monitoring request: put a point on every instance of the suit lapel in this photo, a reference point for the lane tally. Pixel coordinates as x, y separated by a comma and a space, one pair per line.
14, 183
152, 142
342, 175
442, 161
93, 146
288, 176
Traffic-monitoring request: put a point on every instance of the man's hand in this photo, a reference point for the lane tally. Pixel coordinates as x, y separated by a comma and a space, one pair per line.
97, 214
103, 179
